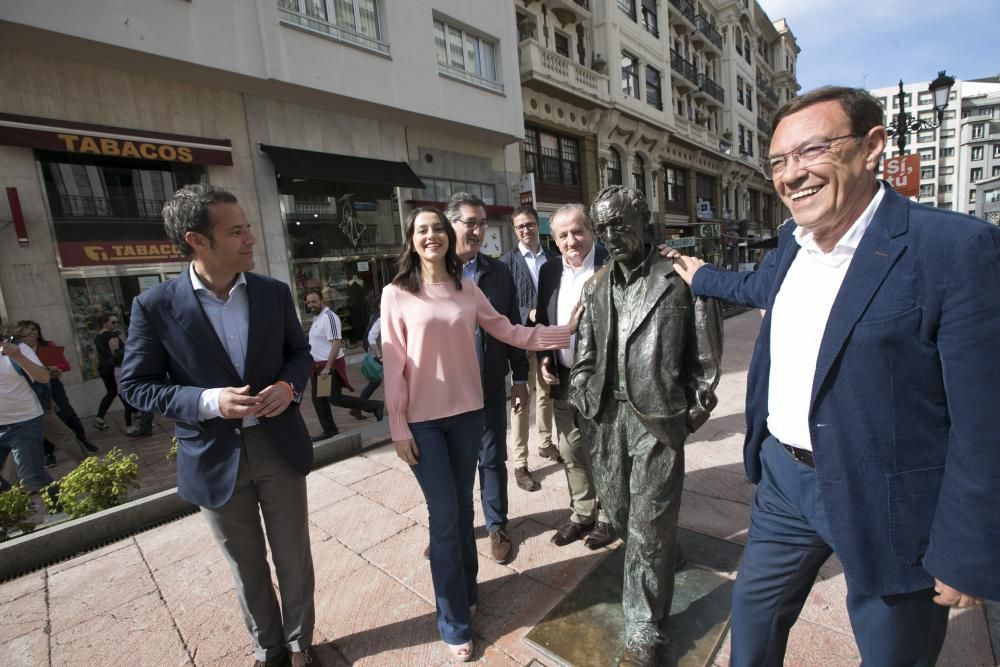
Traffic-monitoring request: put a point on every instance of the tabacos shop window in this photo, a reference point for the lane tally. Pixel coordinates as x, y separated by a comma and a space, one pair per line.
105, 188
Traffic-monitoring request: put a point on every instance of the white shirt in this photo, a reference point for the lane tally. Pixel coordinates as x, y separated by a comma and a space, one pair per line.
324, 330
18, 401
533, 260
374, 332
570, 287
798, 322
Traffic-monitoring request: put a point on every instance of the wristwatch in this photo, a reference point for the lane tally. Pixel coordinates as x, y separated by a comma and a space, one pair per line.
296, 394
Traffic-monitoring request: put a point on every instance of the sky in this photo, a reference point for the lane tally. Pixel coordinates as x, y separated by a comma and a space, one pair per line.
875, 43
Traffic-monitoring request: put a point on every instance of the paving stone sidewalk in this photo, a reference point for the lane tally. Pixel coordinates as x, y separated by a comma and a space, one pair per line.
165, 597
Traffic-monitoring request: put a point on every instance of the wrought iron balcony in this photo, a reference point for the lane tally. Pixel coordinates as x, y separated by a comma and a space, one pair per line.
685, 8
122, 207
763, 126
712, 88
683, 67
707, 29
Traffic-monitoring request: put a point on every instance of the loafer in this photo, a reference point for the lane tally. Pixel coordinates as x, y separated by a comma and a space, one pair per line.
500, 547
138, 434
379, 412
601, 536
551, 452
571, 532
524, 480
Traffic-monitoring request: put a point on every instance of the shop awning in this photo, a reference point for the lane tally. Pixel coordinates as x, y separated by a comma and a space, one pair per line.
298, 163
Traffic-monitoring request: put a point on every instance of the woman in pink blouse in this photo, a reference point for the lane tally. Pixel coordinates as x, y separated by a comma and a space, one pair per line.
434, 399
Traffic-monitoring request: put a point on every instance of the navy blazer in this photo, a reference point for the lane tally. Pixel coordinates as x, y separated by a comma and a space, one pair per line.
494, 279
547, 312
526, 293
903, 417
173, 354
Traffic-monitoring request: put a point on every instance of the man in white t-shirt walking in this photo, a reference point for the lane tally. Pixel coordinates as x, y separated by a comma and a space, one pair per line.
326, 347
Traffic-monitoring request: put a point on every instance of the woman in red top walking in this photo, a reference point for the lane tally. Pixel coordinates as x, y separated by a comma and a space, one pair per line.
434, 398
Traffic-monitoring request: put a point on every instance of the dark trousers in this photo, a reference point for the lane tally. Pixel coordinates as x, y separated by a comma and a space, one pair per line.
789, 540
111, 389
65, 411
493, 459
639, 481
370, 388
322, 403
446, 472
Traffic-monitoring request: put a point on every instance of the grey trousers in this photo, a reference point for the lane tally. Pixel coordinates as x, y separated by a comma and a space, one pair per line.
267, 486
639, 481
579, 478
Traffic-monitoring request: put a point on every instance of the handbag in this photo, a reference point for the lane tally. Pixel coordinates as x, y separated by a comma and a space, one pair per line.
371, 368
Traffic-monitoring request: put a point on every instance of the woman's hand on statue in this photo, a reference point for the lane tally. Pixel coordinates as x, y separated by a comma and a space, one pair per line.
574, 319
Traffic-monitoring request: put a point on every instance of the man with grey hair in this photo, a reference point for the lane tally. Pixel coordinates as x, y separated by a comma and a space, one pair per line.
560, 283
221, 351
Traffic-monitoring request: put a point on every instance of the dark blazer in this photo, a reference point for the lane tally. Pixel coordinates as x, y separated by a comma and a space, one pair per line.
673, 353
903, 417
170, 335
525, 286
547, 312
495, 281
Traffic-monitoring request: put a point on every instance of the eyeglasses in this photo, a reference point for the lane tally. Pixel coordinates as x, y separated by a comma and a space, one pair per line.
526, 227
804, 156
473, 224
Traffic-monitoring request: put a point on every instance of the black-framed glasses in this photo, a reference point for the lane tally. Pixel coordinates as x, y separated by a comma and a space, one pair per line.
805, 155
526, 227
473, 224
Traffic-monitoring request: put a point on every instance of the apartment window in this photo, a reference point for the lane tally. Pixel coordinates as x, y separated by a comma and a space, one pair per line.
351, 21
627, 6
895, 100
555, 161
947, 152
441, 189
675, 190
881, 101
946, 205
927, 190
639, 174
976, 174
977, 152
926, 97
945, 134
562, 44
995, 171
948, 114
972, 196
653, 93
925, 136
649, 21
630, 75
614, 167
739, 89
946, 171
926, 172
738, 40
746, 49
750, 143
531, 158
749, 98
706, 193
926, 154
742, 136
466, 57
946, 187
996, 150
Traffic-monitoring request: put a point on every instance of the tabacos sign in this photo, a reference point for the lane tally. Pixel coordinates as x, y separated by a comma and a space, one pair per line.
87, 139
105, 253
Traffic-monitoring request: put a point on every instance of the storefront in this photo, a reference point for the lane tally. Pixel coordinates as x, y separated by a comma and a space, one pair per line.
104, 188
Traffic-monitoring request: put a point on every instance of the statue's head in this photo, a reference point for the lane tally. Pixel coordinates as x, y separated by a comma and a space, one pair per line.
620, 215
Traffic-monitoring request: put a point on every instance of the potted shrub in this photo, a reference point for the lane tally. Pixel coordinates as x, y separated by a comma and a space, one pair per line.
97, 484
15, 512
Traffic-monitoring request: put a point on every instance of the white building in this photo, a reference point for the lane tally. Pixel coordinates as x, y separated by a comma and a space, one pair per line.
328, 119
962, 151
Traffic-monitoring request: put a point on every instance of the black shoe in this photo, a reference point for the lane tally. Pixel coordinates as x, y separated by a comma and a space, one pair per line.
50, 460
324, 436
89, 446
357, 414
601, 536
379, 412
136, 434
571, 532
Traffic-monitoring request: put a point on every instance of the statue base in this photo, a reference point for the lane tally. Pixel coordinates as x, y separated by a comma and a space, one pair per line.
587, 627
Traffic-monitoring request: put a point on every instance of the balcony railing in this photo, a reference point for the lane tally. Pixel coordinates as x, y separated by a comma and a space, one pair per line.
711, 87
331, 30
469, 77
547, 65
126, 208
707, 29
583, 3
763, 125
685, 8
683, 67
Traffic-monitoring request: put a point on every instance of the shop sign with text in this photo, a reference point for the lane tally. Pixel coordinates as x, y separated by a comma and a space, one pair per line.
116, 253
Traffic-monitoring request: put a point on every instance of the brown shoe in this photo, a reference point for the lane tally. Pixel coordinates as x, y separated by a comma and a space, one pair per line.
550, 452
524, 480
500, 546
571, 532
601, 536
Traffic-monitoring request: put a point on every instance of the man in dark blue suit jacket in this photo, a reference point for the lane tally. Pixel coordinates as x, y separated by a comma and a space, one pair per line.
221, 351
871, 423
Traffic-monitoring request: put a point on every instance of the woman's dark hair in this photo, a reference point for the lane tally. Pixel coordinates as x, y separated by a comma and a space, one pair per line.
408, 264
103, 319
25, 324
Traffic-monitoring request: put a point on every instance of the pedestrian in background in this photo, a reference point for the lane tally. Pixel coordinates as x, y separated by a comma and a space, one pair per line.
110, 348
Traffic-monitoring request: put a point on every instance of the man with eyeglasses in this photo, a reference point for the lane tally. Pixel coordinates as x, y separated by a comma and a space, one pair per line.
871, 431
647, 364
467, 214
525, 261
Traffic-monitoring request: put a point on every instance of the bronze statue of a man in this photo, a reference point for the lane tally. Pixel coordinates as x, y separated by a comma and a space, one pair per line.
647, 363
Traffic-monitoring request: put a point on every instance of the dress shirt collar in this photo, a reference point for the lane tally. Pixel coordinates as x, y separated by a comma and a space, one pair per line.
848, 243
200, 286
526, 251
470, 268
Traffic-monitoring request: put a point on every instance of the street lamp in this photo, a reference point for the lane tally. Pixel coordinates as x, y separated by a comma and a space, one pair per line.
906, 123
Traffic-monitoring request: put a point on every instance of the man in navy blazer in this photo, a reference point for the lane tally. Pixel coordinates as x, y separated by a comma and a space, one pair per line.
221, 351
871, 423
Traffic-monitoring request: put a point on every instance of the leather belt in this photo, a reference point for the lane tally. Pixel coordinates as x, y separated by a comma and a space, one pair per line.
803, 456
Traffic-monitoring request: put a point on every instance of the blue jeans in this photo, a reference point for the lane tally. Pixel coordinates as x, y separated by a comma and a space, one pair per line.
447, 451
24, 440
493, 459
789, 540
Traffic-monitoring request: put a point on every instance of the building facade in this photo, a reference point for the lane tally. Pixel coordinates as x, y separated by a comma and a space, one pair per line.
965, 149
329, 120
671, 97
